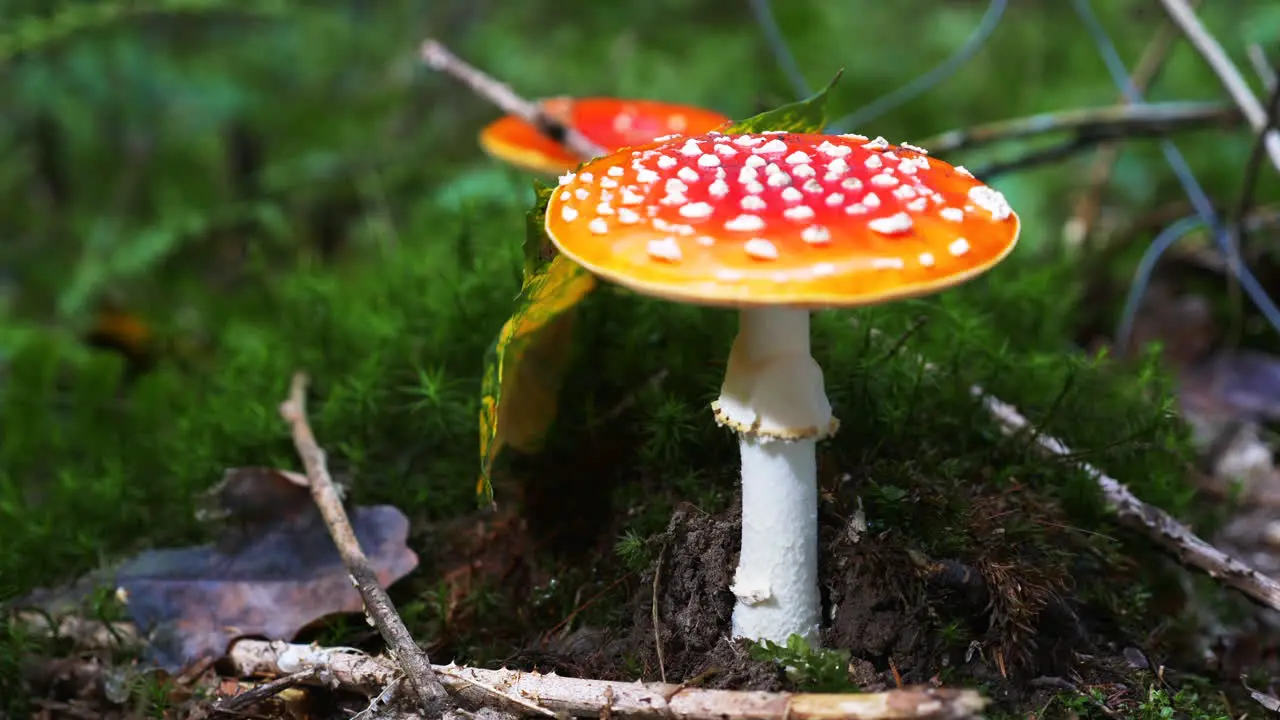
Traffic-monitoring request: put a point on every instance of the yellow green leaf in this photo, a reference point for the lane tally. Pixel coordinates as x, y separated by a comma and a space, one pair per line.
525, 366
804, 116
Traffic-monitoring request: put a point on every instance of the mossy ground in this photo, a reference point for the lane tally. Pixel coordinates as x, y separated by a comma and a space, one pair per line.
373, 248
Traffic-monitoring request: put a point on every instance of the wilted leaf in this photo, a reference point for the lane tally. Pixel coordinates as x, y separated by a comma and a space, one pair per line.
273, 571
805, 116
526, 364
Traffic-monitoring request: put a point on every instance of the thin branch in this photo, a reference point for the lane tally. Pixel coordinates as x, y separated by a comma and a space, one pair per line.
1262, 66
417, 669
235, 704
1185, 17
1085, 214
440, 58
531, 692
1155, 523
1096, 123
923, 83
1158, 525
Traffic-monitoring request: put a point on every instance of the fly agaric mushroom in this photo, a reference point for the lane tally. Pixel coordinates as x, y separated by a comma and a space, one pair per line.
608, 122
776, 224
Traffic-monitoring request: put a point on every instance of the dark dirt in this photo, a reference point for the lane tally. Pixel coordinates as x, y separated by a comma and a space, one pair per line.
885, 604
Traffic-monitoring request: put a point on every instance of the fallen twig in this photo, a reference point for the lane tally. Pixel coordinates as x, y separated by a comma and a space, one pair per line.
530, 692
439, 57
235, 704
417, 669
1185, 17
1085, 213
1096, 123
1156, 524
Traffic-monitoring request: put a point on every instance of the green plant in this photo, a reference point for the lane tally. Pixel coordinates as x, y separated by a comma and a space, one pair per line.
813, 669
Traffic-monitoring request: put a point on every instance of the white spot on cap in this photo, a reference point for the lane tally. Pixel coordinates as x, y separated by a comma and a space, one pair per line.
665, 249
913, 148
614, 171
628, 217
708, 161
755, 161
799, 212
687, 174
565, 195
604, 208
761, 249
586, 177
568, 214
884, 180
691, 148
894, 224
598, 226
852, 184
792, 195
856, 209
773, 146
873, 162
608, 182
674, 198
630, 197
674, 185
959, 247
834, 199
918, 205
752, 202
705, 240
853, 136
990, 199
567, 178
581, 193
813, 186
696, 210
798, 158
803, 171
778, 179
745, 223
753, 187
888, 263
725, 150
646, 177
747, 140
878, 144
815, 235
952, 214
963, 171
871, 200
830, 149
823, 269
718, 189
904, 192
926, 259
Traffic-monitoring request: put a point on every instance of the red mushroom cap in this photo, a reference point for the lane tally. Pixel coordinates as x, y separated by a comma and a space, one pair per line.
610, 123
773, 218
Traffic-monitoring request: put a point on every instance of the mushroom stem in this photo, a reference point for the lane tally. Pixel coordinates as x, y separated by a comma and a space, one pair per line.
773, 397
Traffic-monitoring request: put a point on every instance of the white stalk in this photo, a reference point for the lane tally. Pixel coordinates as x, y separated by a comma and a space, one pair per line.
773, 397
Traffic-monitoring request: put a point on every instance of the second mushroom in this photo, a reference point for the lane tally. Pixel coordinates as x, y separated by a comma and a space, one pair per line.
775, 225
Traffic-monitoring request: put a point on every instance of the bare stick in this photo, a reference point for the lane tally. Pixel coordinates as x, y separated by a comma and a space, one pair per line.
1232, 80
534, 693
417, 669
1144, 73
235, 704
1109, 121
1156, 524
1262, 66
439, 57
